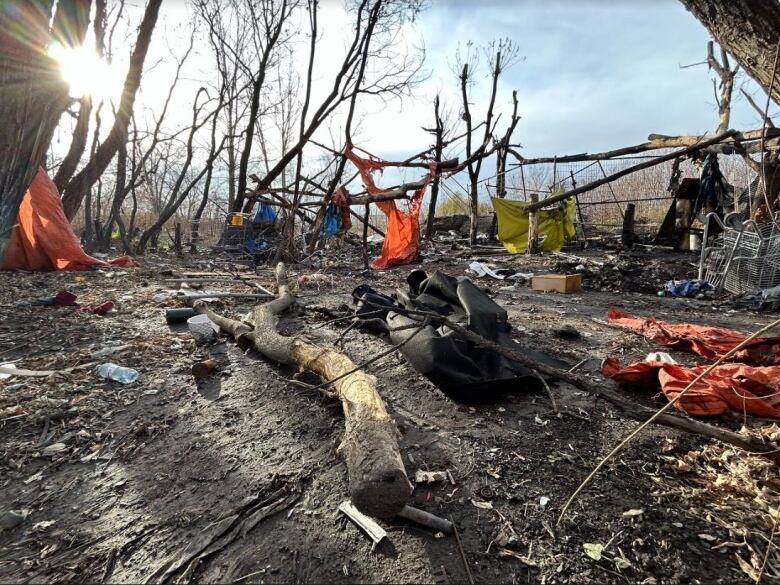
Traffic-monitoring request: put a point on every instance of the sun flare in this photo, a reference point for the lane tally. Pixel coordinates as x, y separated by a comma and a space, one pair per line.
85, 72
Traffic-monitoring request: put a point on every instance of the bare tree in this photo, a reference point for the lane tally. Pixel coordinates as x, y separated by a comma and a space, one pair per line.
504, 56
392, 74
76, 189
179, 191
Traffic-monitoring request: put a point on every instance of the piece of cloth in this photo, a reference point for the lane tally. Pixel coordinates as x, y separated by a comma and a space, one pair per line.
459, 368
714, 192
402, 235
332, 224
44, 240
63, 298
556, 226
708, 342
687, 288
737, 387
265, 214
341, 200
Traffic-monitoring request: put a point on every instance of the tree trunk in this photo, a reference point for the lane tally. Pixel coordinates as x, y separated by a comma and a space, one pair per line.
748, 29
32, 94
437, 154
77, 188
77, 145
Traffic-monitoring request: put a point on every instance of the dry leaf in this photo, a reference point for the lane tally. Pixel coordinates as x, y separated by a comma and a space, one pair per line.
747, 568
593, 550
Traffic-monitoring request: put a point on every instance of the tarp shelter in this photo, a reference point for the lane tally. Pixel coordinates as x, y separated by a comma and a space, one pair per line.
556, 225
43, 239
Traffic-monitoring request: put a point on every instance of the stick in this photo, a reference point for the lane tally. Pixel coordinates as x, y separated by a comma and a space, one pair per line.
462, 552
666, 407
426, 519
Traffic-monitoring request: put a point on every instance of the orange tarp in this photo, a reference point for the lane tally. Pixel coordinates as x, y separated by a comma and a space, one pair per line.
708, 342
44, 240
752, 390
402, 236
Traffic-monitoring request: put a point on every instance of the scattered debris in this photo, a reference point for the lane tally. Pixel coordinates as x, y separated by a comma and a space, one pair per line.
421, 476
117, 373
374, 531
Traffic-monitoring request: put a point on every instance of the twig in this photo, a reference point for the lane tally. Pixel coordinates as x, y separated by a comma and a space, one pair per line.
462, 552
579, 364
771, 539
666, 407
549, 392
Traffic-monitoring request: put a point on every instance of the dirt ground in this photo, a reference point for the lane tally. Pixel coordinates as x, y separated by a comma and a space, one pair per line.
116, 481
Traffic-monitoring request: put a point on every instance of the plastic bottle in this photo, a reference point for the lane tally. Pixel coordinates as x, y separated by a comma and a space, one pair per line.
117, 373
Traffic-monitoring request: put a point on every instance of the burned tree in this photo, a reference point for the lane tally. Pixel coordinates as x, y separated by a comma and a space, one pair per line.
505, 55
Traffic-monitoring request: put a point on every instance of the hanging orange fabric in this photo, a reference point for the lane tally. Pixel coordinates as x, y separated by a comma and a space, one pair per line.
402, 236
708, 342
44, 240
737, 387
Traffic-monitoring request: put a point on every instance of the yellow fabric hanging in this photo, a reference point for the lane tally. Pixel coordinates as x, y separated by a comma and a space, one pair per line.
556, 225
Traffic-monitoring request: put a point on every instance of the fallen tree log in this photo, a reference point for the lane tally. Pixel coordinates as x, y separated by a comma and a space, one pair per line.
378, 484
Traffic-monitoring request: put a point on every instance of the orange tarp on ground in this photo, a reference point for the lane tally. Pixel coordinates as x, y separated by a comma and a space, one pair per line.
752, 390
402, 235
708, 342
44, 240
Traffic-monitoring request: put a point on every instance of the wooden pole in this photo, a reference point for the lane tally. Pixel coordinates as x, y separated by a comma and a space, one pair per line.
533, 227
645, 165
628, 226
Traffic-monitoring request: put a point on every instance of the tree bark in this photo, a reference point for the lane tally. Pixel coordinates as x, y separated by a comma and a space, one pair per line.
378, 484
748, 29
32, 94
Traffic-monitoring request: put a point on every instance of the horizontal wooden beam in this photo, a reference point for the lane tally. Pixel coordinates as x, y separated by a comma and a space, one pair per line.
614, 176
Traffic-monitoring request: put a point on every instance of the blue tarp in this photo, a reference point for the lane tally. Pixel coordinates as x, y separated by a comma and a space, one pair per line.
265, 213
687, 288
332, 223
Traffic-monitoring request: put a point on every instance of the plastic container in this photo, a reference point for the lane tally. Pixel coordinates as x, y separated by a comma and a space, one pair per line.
117, 373
179, 315
202, 328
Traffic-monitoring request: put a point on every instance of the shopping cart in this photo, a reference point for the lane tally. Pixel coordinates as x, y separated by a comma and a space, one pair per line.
744, 256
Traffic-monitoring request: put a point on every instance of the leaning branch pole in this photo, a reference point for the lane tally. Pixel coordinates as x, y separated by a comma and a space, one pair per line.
645, 165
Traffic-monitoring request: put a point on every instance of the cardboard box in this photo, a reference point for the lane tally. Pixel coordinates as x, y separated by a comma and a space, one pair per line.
562, 283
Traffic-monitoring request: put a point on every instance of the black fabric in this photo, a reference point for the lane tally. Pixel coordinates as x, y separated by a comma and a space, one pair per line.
714, 192
463, 371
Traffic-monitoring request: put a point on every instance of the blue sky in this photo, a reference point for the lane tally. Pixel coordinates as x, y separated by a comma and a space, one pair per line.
594, 74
